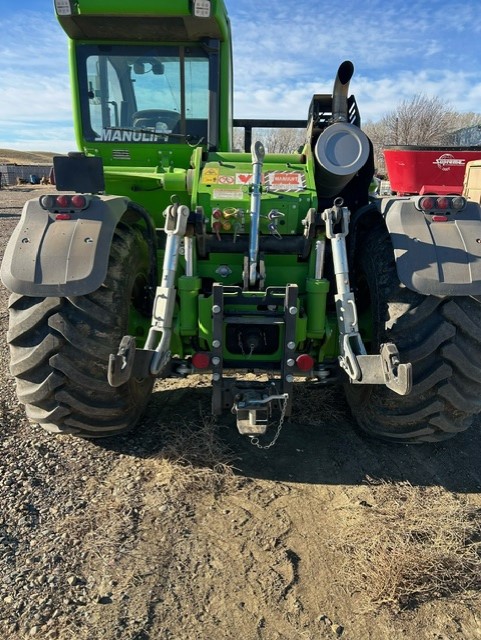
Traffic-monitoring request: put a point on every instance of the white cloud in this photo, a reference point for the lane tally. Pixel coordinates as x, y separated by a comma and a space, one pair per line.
30, 97
35, 105
284, 52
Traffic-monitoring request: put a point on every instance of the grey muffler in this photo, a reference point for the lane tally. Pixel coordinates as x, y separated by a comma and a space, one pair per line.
342, 149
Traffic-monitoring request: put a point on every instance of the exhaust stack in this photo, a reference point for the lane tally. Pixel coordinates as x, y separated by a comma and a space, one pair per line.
340, 91
342, 149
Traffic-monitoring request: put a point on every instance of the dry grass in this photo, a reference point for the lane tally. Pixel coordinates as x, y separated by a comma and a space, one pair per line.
408, 545
317, 404
25, 157
193, 457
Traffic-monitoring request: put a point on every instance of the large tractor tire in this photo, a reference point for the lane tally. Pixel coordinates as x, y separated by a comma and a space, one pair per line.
60, 348
440, 336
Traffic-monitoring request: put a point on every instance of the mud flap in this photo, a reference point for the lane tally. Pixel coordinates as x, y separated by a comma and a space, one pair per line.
46, 256
435, 254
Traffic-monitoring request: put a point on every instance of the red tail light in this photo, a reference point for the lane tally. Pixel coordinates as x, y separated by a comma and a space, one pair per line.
79, 202
62, 202
442, 203
304, 362
201, 360
426, 204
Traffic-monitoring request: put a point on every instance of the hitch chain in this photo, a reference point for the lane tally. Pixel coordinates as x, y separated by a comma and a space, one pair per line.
255, 441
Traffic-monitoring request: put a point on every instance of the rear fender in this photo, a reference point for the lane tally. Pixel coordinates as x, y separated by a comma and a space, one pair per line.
46, 256
435, 257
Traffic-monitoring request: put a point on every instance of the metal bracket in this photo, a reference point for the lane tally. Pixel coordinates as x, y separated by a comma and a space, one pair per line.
128, 362
386, 369
225, 390
253, 411
121, 364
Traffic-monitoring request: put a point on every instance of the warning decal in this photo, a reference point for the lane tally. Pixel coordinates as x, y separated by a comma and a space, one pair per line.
210, 175
285, 180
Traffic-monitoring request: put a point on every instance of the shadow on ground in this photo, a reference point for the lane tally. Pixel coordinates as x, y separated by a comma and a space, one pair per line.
324, 447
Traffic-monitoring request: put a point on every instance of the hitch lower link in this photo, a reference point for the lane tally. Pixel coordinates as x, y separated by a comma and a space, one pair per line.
361, 368
155, 356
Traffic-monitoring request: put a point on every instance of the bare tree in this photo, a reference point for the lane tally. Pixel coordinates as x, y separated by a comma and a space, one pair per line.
274, 140
379, 135
421, 121
284, 140
466, 120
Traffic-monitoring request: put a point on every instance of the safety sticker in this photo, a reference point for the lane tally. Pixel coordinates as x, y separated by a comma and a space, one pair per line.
243, 178
285, 180
210, 175
227, 194
226, 180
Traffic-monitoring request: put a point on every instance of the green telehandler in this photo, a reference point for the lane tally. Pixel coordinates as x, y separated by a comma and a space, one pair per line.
163, 252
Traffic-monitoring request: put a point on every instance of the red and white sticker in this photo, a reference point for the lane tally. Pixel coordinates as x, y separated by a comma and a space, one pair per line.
243, 178
285, 180
226, 180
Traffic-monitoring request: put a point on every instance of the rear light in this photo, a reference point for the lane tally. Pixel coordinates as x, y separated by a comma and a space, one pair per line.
79, 202
304, 362
433, 204
458, 203
47, 202
62, 202
53, 203
200, 8
426, 204
201, 360
217, 214
440, 218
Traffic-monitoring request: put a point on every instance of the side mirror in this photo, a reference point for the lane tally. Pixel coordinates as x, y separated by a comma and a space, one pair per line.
158, 69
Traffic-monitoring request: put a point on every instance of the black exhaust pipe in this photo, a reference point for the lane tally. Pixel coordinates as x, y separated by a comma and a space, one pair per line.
340, 91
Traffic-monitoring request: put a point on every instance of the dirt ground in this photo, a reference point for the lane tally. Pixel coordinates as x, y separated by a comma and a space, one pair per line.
185, 531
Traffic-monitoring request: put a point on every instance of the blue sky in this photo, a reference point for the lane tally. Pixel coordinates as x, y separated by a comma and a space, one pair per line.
284, 51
